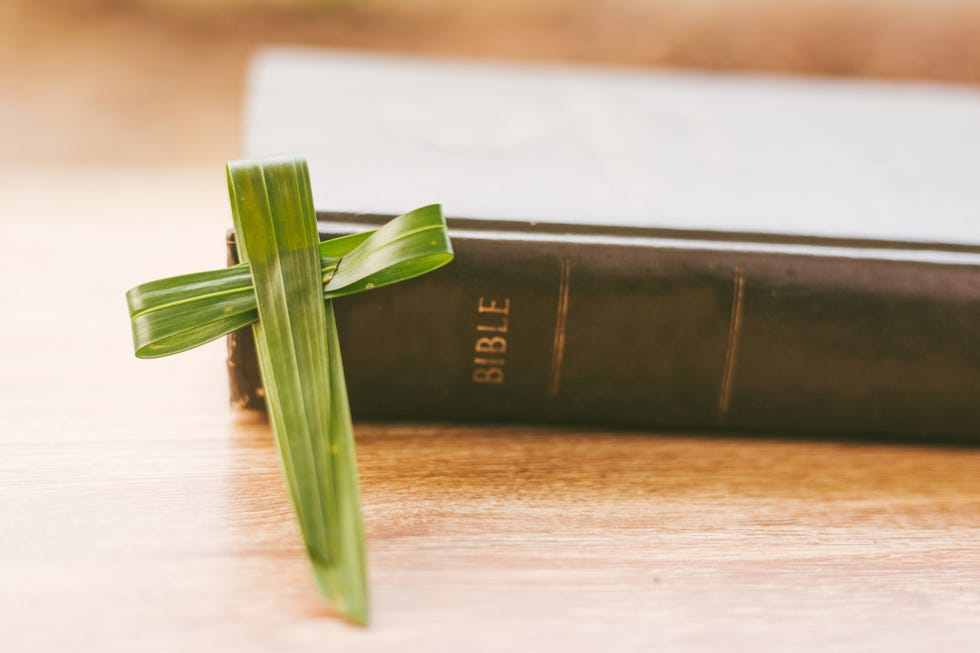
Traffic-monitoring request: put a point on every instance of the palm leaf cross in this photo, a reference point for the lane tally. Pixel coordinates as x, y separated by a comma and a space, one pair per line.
284, 288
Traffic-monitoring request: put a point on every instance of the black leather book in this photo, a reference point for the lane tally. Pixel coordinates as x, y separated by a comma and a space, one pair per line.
647, 250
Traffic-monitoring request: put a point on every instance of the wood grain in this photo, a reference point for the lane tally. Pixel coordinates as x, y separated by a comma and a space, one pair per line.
139, 512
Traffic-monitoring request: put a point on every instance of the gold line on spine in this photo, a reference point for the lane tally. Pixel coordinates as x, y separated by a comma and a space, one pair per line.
558, 346
734, 330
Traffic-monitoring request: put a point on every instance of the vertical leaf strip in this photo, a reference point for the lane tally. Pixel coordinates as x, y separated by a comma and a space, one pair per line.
275, 227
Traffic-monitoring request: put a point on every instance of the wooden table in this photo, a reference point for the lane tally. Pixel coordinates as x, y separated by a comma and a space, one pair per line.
139, 513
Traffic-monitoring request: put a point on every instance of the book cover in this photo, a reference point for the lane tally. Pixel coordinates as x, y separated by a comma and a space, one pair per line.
647, 250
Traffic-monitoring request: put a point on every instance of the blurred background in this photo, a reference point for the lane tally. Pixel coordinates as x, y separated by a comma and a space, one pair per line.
161, 81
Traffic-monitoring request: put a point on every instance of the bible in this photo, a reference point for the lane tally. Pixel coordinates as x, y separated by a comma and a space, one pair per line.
646, 249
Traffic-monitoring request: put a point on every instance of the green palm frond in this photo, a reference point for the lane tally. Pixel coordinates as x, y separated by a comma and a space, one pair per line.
284, 288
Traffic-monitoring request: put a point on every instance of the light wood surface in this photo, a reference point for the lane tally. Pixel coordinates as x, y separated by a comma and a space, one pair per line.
139, 512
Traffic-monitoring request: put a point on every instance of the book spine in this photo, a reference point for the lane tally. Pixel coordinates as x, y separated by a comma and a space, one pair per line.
665, 335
